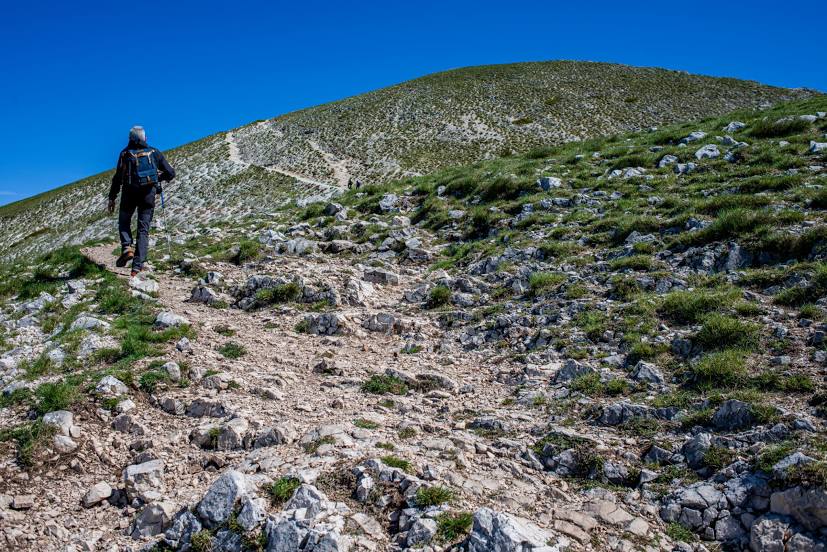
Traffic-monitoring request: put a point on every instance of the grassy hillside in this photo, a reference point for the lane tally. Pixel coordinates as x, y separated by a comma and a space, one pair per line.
416, 127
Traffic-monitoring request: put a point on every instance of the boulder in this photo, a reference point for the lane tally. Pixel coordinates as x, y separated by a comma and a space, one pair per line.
546, 183
494, 531
200, 408
144, 481
709, 151
667, 160
695, 448
144, 285
252, 513
276, 435
808, 506
153, 520
817, 147
180, 532
684, 168
381, 276
647, 372
168, 319
88, 323
308, 498
218, 503
421, 532
203, 294
283, 535
383, 322
768, 534
327, 323
693, 137
61, 420
389, 202
733, 414
111, 386
232, 434
570, 370
96, 494
734, 126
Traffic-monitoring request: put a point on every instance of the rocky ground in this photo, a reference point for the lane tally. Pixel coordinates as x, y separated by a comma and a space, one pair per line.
614, 345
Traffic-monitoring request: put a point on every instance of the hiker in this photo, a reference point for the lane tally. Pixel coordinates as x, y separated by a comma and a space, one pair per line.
141, 169
349, 183
358, 183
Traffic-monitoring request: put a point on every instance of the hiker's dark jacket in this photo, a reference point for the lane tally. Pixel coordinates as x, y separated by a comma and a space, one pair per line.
136, 195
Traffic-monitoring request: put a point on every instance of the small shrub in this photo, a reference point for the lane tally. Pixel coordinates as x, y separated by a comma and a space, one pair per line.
643, 427
394, 462
689, 307
813, 474
283, 293
365, 424
232, 350
633, 262
723, 332
701, 418
439, 296
28, 437
588, 384
406, 433
542, 282
772, 454
381, 384
310, 448
281, 490
18, 396
617, 386
433, 496
201, 541
718, 457
678, 532
593, 323
150, 379
247, 250
452, 526
56, 396
224, 330
720, 369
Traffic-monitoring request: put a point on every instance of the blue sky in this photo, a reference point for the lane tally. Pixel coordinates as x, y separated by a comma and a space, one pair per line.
74, 76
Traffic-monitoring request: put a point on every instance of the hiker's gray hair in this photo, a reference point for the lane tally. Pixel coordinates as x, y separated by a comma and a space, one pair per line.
137, 134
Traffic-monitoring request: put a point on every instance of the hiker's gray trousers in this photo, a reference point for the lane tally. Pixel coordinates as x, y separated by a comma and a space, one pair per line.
125, 230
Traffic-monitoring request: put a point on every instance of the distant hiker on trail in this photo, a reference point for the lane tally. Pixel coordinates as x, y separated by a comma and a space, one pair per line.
141, 169
349, 183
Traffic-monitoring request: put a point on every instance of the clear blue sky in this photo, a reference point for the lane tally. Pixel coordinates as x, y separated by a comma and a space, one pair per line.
74, 76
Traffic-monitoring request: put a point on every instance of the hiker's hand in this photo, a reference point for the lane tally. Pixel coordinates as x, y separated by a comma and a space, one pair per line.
111, 206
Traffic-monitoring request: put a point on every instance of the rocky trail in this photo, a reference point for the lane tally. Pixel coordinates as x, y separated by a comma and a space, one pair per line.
297, 399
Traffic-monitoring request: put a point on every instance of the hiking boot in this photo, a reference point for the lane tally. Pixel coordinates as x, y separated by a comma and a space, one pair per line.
134, 273
125, 257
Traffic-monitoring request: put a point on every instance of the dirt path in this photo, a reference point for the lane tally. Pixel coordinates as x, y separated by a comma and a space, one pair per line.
321, 188
339, 167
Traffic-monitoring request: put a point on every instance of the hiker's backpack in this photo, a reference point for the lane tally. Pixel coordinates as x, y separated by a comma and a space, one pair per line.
142, 169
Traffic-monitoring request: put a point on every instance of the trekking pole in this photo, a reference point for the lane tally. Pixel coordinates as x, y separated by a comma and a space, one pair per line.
166, 228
